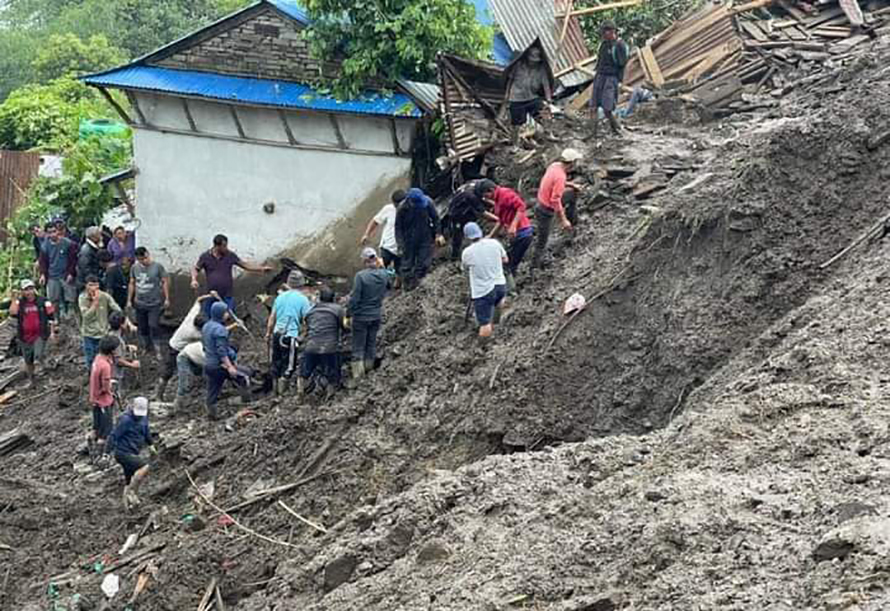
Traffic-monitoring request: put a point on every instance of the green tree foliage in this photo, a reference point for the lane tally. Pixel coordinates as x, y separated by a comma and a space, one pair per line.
637, 24
68, 55
17, 52
388, 39
48, 116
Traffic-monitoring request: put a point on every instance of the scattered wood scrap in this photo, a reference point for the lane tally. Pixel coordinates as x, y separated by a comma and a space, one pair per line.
871, 231
13, 441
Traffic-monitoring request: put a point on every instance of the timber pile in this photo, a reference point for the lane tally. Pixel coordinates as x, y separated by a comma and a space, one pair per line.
720, 53
13, 441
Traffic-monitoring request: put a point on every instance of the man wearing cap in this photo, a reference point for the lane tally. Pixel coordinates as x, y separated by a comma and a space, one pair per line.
389, 246
610, 62
365, 309
551, 192
283, 330
36, 325
417, 229
129, 437
219, 359
508, 211
484, 259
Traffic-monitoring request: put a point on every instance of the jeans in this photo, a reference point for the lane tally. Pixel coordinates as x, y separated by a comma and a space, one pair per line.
329, 364
90, 350
544, 220
284, 356
185, 370
516, 252
148, 319
364, 339
62, 295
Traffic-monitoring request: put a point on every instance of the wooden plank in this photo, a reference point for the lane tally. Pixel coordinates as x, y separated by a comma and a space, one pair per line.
286, 125
711, 60
188, 115
237, 121
135, 104
600, 8
752, 30
565, 28
651, 66
113, 103
682, 37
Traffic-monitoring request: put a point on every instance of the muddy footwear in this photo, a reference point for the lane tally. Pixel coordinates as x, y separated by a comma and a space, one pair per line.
369, 367
131, 500
511, 283
616, 126
213, 412
300, 385
280, 387
358, 372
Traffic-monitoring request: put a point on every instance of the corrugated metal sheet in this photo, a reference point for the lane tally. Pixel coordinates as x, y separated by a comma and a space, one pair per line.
17, 170
251, 91
522, 21
291, 9
425, 94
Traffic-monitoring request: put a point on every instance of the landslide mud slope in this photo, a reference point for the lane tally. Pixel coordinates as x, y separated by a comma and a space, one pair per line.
767, 372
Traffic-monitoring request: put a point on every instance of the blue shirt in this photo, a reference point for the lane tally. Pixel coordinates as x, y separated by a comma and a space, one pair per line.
130, 435
215, 338
290, 309
57, 257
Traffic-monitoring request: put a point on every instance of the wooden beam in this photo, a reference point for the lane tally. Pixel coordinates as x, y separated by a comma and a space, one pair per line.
290, 135
120, 110
565, 27
396, 147
600, 8
135, 104
651, 66
237, 121
188, 115
338, 132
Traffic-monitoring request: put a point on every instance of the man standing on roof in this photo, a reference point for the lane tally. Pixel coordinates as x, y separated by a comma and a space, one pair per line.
509, 214
610, 62
551, 194
389, 246
529, 87
217, 264
417, 230
283, 330
366, 311
484, 259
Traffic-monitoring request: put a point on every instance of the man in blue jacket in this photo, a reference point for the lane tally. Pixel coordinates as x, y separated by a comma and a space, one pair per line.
129, 437
417, 229
219, 359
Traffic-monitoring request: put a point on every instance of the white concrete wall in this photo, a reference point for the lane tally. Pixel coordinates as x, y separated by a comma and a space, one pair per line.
190, 188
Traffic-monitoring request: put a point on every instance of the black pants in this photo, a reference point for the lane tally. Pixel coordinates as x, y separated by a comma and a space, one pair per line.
169, 369
364, 339
148, 319
520, 111
216, 379
391, 258
284, 355
516, 252
543, 225
327, 364
457, 233
416, 261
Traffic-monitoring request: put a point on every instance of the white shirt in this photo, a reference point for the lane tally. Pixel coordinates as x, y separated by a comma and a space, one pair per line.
387, 218
187, 333
485, 261
195, 353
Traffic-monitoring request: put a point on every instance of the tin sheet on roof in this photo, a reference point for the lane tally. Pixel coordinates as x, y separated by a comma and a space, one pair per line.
291, 8
425, 94
251, 91
522, 21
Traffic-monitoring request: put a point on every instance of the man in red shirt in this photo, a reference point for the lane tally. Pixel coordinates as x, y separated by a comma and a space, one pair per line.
35, 326
508, 211
101, 392
550, 200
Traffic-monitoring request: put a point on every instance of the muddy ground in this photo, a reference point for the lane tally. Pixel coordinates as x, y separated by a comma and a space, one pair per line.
710, 433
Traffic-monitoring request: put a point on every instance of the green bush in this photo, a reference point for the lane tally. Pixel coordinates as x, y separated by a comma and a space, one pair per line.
637, 24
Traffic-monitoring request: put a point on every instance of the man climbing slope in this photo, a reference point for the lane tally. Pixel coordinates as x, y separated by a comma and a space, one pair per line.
484, 260
417, 230
366, 311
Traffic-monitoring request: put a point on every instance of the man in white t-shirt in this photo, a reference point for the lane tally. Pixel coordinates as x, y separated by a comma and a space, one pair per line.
185, 334
389, 247
484, 259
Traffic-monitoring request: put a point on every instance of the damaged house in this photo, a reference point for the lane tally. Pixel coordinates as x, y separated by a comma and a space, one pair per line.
230, 137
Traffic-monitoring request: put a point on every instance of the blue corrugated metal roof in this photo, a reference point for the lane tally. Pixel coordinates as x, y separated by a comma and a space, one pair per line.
292, 9
251, 91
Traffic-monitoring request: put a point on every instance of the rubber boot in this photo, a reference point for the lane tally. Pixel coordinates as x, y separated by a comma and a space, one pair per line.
616, 126
596, 125
160, 388
279, 387
213, 412
301, 385
369, 366
177, 405
358, 372
511, 284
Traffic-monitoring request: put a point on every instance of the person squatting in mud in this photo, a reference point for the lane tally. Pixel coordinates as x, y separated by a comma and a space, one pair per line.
220, 360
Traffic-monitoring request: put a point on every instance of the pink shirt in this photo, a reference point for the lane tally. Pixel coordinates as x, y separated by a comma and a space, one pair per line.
100, 382
553, 185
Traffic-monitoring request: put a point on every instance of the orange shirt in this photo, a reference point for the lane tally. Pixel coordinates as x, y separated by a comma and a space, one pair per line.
100, 382
553, 185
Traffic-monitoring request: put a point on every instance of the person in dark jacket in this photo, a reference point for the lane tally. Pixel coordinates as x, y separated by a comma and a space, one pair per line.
36, 326
88, 263
325, 323
610, 62
465, 207
58, 270
365, 309
417, 229
117, 277
126, 441
219, 359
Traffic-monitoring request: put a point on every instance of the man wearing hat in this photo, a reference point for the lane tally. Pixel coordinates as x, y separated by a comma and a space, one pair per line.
484, 259
365, 308
129, 437
610, 62
283, 330
551, 192
36, 325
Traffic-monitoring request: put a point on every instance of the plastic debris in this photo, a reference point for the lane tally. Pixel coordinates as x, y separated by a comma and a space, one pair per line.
574, 303
128, 544
111, 585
